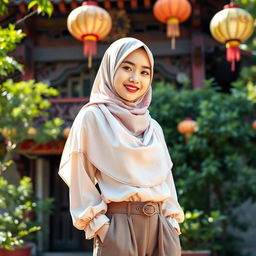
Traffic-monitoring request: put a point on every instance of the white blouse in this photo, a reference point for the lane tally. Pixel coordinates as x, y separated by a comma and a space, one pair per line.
88, 206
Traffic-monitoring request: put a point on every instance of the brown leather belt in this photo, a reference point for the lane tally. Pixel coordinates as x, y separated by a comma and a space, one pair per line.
139, 208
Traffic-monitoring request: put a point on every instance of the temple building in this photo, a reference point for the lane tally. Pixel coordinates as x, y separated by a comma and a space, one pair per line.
53, 56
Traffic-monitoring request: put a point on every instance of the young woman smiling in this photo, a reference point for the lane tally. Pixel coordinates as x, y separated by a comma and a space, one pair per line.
114, 142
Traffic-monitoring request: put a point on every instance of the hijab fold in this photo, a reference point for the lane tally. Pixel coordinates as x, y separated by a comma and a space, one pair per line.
119, 137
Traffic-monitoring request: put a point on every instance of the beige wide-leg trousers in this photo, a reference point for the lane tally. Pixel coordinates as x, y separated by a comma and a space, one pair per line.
137, 229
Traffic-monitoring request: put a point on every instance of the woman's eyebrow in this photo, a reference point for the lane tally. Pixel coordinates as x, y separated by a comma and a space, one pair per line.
133, 64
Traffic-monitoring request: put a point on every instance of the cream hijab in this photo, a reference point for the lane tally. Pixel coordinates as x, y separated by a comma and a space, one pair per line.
118, 137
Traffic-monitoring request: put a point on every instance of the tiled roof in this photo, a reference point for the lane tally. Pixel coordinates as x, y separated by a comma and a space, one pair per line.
53, 1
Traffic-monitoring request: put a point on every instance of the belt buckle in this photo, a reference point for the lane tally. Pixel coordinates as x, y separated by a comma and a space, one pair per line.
146, 209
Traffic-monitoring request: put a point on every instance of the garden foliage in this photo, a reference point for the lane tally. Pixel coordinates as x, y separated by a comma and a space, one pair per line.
18, 206
214, 168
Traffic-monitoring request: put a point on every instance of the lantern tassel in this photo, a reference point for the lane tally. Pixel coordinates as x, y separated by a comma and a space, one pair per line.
233, 53
89, 50
173, 30
90, 47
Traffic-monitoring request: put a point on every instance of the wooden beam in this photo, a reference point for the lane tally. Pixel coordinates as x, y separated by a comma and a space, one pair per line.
147, 4
134, 4
217, 4
107, 4
74, 4
23, 8
75, 52
62, 7
120, 4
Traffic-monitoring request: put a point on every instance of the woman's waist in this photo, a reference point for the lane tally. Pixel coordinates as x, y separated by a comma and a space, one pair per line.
148, 208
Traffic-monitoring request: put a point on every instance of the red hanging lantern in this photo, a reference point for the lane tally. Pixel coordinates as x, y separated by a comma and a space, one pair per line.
231, 26
89, 23
254, 125
172, 12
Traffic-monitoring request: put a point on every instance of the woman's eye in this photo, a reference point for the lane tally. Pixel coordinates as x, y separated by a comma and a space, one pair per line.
127, 68
145, 72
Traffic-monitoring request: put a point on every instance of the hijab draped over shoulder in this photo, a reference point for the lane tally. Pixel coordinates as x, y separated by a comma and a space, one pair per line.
118, 137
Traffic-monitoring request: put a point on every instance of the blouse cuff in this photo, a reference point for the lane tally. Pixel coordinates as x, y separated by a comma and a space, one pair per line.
94, 225
175, 224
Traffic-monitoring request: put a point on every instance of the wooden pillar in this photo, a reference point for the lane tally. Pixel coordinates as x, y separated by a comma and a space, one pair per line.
42, 192
198, 66
197, 48
28, 27
134, 4
29, 66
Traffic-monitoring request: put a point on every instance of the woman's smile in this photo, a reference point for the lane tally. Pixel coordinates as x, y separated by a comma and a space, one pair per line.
131, 88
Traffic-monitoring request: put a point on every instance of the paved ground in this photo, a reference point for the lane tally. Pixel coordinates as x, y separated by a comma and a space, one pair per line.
65, 254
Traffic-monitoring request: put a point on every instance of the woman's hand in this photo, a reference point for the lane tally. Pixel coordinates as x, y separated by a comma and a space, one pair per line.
102, 232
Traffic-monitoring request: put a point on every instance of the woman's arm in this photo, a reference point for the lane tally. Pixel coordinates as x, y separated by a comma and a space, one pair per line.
86, 205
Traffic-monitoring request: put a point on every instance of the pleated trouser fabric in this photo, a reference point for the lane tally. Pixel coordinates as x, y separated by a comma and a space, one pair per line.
138, 235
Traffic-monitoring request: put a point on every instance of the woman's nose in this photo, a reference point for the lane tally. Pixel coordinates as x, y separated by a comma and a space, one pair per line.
133, 78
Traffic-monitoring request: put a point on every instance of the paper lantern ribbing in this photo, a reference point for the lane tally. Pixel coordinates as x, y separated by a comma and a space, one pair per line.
231, 26
89, 23
172, 12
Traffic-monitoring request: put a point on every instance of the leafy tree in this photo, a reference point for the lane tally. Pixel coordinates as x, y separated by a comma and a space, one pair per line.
246, 82
22, 103
250, 6
21, 106
214, 168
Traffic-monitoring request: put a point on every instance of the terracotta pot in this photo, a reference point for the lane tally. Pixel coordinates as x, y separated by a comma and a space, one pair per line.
20, 251
196, 253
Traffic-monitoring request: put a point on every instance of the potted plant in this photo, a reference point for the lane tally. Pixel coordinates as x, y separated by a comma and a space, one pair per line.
17, 216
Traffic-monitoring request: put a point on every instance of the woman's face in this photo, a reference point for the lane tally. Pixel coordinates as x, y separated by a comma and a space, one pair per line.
132, 77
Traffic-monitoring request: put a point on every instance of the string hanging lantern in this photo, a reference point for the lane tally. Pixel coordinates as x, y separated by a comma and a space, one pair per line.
231, 26
172, 12
89, 23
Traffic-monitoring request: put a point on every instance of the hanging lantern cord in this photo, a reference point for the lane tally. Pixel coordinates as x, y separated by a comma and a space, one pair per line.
89, 61
173, 30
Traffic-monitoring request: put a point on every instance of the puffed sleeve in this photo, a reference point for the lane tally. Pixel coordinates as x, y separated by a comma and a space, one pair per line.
86, 205
171, 208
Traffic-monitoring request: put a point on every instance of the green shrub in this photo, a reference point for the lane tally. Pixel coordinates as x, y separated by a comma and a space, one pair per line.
215, 169
17, 209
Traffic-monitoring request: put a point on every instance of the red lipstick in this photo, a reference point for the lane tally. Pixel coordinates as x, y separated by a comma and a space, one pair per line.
131, 88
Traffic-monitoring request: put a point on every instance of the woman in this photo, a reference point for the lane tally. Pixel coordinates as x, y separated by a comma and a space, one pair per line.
114, 142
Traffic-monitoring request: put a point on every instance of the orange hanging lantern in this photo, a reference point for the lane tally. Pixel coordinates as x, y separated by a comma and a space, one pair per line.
187, 127
231, 26
89, 23
66, 132
32, 131
172, 12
